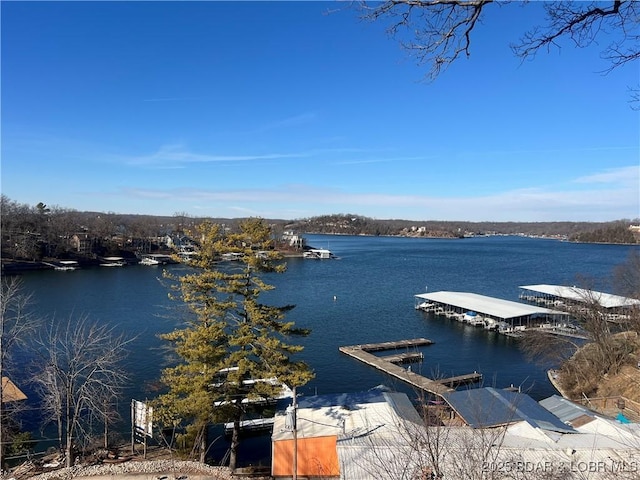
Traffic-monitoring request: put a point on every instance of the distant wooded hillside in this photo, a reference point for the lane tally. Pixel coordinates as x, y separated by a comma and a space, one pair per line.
39, 231
348, 224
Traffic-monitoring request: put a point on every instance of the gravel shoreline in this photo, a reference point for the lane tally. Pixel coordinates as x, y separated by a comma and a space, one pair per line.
147, 469
168, 468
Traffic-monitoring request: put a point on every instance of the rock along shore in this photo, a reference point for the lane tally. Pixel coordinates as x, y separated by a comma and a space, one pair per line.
140, 470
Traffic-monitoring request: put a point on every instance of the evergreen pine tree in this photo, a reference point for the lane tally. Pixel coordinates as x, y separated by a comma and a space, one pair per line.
231, 337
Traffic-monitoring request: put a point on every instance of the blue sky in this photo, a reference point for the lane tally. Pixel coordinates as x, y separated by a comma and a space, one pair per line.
297, 109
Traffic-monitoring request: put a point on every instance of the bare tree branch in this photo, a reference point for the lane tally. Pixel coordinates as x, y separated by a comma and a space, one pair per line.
585, 22
440, 30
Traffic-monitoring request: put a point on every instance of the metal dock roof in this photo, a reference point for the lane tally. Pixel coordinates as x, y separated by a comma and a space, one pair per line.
495, 307
490, 407
566, 410
606, 300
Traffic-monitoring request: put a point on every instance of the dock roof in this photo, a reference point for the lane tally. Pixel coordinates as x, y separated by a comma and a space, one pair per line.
490, 407
496, 307
606, 300
569, 412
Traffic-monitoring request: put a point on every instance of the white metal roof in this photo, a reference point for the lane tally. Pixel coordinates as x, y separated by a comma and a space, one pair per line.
565, 409
607, 300
495, 307
390, 448
518, 452
349, 416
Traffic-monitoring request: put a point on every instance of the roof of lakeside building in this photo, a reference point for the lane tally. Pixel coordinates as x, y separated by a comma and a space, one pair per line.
377, 444
567, 411
348, 415
606, 300
496, 307
10, 392
491, 407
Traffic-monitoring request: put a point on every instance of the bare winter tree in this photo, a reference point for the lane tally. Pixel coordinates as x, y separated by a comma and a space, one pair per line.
79, 377
16, 326
438, 32
627, 276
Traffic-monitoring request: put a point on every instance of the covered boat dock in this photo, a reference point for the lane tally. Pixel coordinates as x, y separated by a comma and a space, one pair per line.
572, 298
491, 313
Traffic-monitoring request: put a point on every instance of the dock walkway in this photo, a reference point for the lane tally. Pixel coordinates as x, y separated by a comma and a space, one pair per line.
436, 387
378, 347
407, 357
460, 379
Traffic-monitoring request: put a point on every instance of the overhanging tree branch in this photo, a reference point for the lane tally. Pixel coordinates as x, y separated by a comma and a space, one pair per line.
583, 23
439, 30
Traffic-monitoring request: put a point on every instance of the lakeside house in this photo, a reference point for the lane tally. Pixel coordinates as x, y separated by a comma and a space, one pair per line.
294, 240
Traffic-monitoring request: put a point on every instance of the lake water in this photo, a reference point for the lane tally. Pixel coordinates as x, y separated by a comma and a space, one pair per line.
367, 295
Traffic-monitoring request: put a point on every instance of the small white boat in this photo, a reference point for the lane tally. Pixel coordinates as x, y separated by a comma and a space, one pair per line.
470, 317
473, 318
66, 265
490, 323
155, 259
149, 261
113, 262
427, 306
318, 253
232, 256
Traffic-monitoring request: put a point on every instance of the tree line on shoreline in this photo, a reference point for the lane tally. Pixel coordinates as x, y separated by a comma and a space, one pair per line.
41, 231
616, 231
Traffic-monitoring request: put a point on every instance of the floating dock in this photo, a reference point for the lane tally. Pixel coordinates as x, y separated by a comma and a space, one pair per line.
378, 347
461, 379
404, 357
436, 387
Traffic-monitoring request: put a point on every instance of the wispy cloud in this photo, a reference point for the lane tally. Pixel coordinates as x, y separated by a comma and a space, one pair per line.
622, 175
178, 155
294, 121
548, 151
381, 160
173, 99
534, 204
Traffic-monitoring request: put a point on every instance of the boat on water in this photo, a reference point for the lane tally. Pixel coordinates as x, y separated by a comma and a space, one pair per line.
232, 256
149, 261
155, 259
318, 253
473, 318
490, 323
63, 265
112, 262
